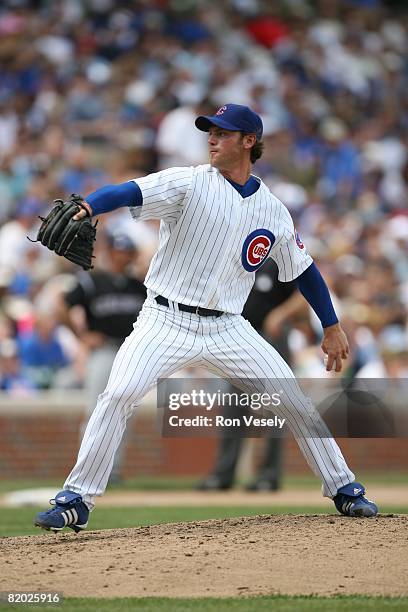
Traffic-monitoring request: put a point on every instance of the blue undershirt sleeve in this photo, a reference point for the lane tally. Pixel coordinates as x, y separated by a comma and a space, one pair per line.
314, 289
111, 197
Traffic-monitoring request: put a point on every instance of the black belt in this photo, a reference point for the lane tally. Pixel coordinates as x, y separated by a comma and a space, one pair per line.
202, 312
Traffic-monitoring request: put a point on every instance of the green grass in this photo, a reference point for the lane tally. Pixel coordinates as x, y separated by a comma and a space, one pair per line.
187, 483
242, 604
14, 522
20, 522
303, 481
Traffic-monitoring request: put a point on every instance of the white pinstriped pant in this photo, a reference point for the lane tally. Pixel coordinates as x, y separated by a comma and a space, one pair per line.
165, 340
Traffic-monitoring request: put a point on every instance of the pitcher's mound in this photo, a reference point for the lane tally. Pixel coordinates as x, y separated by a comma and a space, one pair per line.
262, 555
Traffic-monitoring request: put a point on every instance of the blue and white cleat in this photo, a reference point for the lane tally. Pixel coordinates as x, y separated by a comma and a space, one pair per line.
350, 501
69, 511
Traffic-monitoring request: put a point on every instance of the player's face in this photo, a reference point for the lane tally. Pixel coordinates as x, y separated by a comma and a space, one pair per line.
121, 258
225, 147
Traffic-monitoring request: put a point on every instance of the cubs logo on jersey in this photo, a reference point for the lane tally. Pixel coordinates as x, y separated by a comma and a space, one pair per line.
298, 240
256, 248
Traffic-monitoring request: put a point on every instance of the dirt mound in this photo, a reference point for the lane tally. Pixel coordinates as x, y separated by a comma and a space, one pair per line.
295, 554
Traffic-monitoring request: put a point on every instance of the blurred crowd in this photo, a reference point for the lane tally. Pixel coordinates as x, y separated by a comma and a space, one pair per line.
100, 91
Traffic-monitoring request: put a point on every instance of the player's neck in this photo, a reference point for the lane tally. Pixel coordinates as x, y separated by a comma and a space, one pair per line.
117, 269
238, 174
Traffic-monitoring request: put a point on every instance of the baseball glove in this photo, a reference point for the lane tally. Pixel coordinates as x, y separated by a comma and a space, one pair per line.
74, 240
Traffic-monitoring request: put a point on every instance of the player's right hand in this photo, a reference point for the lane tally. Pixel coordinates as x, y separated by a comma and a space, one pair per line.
335, 346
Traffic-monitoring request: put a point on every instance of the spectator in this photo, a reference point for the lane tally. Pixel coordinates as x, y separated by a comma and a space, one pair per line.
78, 175
14, 245
340, 163
12, 379
176, 127
41, 352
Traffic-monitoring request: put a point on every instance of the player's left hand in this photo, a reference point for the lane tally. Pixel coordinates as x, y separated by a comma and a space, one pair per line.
68, 230
335, 346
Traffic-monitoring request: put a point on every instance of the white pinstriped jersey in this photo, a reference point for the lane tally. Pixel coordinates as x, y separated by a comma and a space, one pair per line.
212, 240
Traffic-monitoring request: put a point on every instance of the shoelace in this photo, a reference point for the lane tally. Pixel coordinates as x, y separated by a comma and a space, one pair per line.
52, 502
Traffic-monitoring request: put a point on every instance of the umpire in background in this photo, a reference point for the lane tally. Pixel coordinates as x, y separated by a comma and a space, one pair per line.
110, 300
269, 305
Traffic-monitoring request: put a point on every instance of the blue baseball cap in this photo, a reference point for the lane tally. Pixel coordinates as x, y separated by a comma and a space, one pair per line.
120, 241
233, 117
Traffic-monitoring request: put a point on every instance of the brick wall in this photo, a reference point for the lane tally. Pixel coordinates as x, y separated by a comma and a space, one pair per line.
45, 446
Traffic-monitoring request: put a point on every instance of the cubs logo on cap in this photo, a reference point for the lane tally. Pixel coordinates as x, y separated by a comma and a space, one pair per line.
256, 248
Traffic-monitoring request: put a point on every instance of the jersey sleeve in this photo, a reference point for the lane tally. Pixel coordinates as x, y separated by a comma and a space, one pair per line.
163, 193
82, 290
290, 253
75, 297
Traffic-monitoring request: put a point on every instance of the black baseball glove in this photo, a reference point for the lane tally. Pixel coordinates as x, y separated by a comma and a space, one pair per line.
74, 240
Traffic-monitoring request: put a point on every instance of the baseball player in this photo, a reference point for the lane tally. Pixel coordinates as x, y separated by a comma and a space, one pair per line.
218, 224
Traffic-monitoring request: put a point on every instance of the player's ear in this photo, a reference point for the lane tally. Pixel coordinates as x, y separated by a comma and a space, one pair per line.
249, 140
